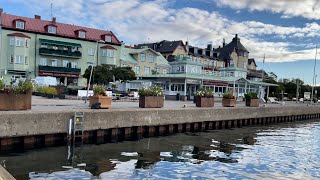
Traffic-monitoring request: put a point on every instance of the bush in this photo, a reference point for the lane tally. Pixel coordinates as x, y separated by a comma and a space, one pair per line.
23, 87
228, 95
1, 84
99, 90
151, 91
251, 95
204, 93
51, 91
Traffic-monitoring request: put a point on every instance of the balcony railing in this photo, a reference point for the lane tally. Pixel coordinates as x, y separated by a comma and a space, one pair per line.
59, 69
61, 53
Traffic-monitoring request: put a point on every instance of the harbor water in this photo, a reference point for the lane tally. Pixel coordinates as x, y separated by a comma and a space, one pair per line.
281, 151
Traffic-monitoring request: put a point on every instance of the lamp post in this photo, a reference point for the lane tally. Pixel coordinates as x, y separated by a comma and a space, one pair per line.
95, 52
314, 74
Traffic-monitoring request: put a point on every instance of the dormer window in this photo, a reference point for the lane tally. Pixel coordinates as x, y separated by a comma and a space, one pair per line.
52, 29
82, 34
20, 24
107, 38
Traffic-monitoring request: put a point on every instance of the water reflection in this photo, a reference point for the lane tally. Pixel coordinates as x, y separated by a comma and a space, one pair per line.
289, 151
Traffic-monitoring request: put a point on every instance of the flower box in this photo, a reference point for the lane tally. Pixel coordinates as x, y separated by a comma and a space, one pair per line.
228, 102
151, 101
14, 102
204, 101
252, 102
105, 101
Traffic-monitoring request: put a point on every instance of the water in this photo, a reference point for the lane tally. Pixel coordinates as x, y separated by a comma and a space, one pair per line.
286, 151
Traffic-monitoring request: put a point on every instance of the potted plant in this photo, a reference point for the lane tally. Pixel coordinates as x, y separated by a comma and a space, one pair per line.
16, 96
99, 98
252, 99
228, 99
204, 98
151, 97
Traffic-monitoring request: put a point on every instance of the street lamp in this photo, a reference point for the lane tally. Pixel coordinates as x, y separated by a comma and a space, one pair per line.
95, 52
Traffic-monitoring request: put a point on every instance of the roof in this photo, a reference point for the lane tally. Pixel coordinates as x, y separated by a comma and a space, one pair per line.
234, 45
163, 46
65, 30
19, 35
251, 60
127, 55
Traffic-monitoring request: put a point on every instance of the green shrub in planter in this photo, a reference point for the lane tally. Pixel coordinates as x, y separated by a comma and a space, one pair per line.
99, 90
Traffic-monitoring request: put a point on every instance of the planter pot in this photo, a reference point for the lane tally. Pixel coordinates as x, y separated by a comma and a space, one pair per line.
50, 96
104, 101
252, 102
151, 101
14, 102
204, 102
228, 102
62, 96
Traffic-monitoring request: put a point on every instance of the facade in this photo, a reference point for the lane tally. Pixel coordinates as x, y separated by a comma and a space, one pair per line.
31, 47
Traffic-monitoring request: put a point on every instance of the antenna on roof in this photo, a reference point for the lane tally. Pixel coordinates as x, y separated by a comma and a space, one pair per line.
51, 7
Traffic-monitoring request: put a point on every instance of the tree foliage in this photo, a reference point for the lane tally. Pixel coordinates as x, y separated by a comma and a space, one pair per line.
103, 74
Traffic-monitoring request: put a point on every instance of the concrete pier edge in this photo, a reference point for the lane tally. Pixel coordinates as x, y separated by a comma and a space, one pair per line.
5, 175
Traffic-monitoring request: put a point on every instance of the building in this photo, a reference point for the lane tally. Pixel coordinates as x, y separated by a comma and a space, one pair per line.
31, 47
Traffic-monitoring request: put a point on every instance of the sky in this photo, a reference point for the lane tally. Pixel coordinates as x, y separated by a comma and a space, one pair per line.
285, 31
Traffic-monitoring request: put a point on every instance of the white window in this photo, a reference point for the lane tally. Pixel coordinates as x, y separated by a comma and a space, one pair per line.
164, 71
91, 51
52, 29
26, 60
110, 52
65, 63
104, 52
151, 58
74, 64
54, 62
11, 41
107, 38
142, 57
19, 42
146, 70
20, 24
19, 59
43, 62
11, 59
137, 70
82, 34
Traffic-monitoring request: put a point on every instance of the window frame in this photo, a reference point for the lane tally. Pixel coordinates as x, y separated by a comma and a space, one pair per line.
108, 38
91, 51
110, 53
26, 60
80, 33
20, 44
21, 59
12, 41
104, 53
143, 55
145, 70
137, 70
151, 55
43, 60
19, 23
50, 28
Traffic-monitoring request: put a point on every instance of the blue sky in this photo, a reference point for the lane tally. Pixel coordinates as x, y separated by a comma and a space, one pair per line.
286, 31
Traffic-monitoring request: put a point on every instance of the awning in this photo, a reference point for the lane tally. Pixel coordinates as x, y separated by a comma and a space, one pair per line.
60, 43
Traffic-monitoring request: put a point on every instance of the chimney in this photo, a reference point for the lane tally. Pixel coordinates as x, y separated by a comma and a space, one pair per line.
54, 19
37, 17
209, 46
1, 10
187, 43
224, 42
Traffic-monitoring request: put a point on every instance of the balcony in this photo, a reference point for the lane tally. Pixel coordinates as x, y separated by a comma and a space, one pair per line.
59, 71
60, 53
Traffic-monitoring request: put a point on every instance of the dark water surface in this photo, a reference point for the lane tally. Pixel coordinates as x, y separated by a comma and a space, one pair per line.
285, 151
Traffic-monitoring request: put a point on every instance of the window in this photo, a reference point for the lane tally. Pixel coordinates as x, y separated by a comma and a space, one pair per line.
91, 51
20, 24
65, 63
137, 70
54, 62
11, 59
11, 41
142, 57
151, 58
74, 64
164, 71
107, 38
19, 59
110, 52
19, 42
82, 34
104, 52
26, 60
43, 62
27, 43
146, 70
52, 29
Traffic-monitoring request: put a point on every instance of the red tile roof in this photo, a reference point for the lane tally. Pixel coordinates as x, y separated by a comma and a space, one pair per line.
65, 30
19, 35
107, 47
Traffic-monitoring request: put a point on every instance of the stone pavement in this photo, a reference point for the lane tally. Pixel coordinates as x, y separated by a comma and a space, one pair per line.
41, 104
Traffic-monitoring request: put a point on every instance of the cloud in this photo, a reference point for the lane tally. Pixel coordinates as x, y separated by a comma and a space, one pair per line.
137, 21
289, 8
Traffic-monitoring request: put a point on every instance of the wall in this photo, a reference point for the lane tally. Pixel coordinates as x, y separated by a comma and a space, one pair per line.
239, 61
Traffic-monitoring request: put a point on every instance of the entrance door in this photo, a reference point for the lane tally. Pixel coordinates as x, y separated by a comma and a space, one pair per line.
191, 90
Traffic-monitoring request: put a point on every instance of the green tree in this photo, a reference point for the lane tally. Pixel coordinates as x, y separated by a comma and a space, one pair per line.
123, 73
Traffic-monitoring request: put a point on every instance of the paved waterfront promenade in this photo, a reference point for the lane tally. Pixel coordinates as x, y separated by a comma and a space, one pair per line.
40, 104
